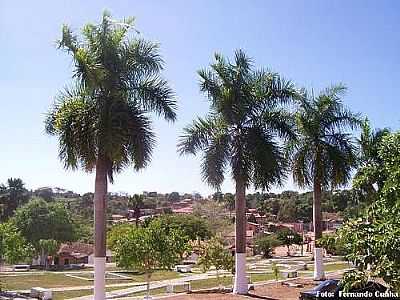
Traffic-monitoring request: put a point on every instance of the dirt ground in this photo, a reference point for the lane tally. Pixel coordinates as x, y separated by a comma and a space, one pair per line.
271, 291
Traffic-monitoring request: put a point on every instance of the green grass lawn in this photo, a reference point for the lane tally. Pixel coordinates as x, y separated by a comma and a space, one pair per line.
262, 277
48, 280
332, 267
56, 279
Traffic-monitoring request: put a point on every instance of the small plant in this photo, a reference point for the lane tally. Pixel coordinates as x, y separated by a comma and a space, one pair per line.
266, 244
275, 272
354, 280
214, 254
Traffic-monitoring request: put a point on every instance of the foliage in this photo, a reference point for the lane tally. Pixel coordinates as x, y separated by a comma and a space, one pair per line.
275, 271
12, 195
288, 237
353, 280
150, 248
136, 202
13, 246
213, 253
332, 244
372, 240
265, 244
287, 211
370, 176
193, 227
103, 114
323, 149
215, 215
146, 249
173, 197
245, 120
115, 233
39, 220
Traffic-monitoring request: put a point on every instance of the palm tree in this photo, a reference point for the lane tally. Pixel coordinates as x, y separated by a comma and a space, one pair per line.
241, 133
136, 203
323, 154
370, 171
12, 196
101, 120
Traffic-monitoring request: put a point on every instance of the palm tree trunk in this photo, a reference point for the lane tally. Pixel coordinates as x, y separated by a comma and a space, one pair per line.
240, 285
100, 193
317, 224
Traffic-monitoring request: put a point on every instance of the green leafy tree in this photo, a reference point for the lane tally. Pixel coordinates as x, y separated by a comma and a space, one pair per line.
13, 246
241, 133
332, 244
288, 237
39, 220
136, 203
288, 211
102, 120
146, 249
229, 201
214, 254
372, 240
47, 248
194, 227
174, 196
324, 154
116, 231
265, 245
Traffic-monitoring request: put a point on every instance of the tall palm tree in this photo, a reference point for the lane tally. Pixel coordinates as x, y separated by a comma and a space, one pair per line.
136, 203
12, 196
241, 133
370, 171
101, 120
323, 154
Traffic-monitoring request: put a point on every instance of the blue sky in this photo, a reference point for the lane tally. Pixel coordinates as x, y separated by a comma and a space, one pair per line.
313, 43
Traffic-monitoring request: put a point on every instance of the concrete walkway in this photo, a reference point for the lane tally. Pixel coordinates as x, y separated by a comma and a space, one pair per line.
141, 287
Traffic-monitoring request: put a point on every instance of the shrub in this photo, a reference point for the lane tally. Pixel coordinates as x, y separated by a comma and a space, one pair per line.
266, 244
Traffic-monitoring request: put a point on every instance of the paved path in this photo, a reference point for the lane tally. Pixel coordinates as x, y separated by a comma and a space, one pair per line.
153, 285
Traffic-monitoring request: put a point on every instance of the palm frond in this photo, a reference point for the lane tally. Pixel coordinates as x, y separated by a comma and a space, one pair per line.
154, 95
215, 159
198, 135
269, 166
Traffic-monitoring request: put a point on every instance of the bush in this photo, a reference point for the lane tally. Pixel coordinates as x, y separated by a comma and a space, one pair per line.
332, 244
266, 244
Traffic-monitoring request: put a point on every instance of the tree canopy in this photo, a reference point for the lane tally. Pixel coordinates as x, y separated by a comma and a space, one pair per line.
324, 148
193, 227
12, 195
13, 246
39, 220
104, 112
245, 120
372, 240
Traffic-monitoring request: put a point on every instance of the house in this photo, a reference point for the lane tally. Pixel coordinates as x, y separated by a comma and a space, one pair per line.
77, 253
331, 221
250, 226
